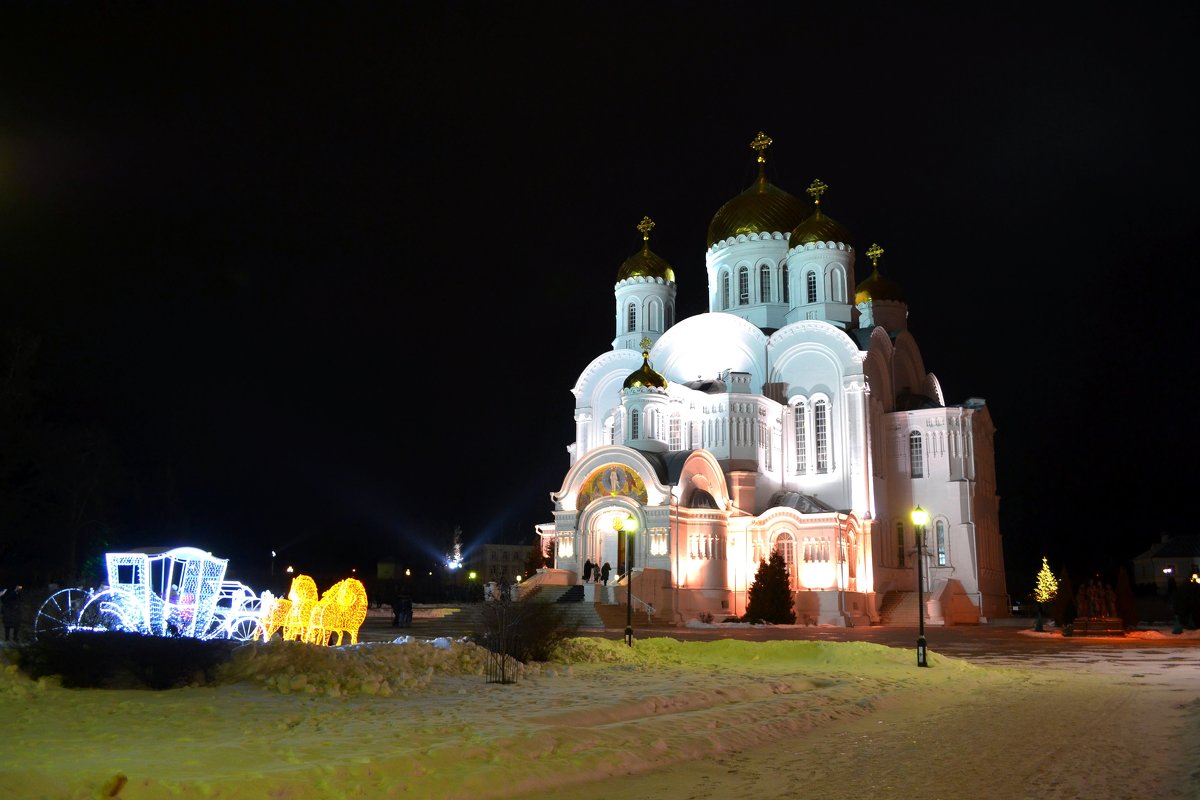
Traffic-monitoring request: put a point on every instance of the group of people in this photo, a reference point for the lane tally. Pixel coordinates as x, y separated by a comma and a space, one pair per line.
10, 611
402, 612
595, 573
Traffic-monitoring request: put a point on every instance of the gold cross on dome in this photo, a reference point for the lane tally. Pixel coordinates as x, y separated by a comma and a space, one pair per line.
645, 226
761, 143
873, 253
645, 344
816, 189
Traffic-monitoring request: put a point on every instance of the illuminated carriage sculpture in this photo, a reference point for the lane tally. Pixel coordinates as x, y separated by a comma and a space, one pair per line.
183, 592
177, 592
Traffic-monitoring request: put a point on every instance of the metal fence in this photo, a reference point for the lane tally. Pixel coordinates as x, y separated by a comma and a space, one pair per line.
501, 659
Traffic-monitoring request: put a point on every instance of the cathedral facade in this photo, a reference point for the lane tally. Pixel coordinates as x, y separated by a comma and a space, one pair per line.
796, 416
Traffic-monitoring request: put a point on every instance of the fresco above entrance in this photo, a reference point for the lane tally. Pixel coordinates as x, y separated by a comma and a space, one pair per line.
612, 480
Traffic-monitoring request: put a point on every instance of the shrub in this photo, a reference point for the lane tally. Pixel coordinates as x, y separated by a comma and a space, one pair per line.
705, 616
119, 660
527, 630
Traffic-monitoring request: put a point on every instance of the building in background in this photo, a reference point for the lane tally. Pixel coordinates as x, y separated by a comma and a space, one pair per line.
795, 415
1175, 557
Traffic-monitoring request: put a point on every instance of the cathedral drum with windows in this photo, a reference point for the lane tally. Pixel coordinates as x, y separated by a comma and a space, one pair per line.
795, 415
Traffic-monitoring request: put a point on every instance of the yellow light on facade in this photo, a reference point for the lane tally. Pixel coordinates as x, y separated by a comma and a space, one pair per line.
920, 516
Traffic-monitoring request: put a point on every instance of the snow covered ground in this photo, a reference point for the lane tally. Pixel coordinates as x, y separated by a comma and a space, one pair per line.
666, 718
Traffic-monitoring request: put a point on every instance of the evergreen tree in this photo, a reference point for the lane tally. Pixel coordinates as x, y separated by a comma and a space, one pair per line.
1045, 590
770, 595
1064, 603
535, 561
1127, 608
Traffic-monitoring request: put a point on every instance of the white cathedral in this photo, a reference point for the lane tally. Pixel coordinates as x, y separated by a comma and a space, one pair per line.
795, 416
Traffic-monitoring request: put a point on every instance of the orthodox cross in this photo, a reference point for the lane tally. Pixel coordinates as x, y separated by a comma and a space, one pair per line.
873, 253
645, 226
761, 143
816, 190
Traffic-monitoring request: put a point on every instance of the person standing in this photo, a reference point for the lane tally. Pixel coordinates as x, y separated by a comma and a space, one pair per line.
604, 573
587, 571
10, 610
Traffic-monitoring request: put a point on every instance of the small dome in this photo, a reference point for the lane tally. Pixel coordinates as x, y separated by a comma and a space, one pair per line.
644, 377
762, 208
877, 287
646, 263
818, 227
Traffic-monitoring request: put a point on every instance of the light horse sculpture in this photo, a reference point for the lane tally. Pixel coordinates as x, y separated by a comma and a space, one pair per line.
341, 610
303, 617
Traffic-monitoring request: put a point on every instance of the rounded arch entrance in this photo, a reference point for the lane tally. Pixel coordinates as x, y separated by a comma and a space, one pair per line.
604, 543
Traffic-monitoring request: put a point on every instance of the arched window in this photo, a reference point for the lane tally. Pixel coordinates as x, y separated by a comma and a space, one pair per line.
676, 441
916, 456
724, 290
837, 283
785, 545
941, 543
632, 318
670, 316
900, 544
764, 284
743, 286
821, 434
633, 424
784, 289
800, 417
610, 431
810, 285
655, 316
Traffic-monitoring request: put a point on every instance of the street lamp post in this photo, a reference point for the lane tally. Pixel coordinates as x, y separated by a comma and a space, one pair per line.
920, 518
629, 526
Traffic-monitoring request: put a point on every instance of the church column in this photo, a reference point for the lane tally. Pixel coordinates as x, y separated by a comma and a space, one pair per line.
854, 389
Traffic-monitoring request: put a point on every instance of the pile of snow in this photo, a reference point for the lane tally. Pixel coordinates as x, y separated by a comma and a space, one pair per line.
368, 668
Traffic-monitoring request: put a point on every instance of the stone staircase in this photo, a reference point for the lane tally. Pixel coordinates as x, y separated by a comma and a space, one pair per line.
570, 600
899, 609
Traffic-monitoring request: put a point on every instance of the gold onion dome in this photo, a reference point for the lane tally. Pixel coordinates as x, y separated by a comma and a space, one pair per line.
645, 263
763, 208
877, 287
818, 227
644, 377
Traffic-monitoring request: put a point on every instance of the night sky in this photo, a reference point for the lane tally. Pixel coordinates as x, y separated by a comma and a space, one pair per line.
322, 276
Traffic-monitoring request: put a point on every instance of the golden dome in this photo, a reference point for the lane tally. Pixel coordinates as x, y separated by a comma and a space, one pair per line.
818, 227
877, 287
763, 208
646, 263
644, 377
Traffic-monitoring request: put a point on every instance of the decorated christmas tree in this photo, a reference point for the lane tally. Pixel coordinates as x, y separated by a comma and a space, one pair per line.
1046, 589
